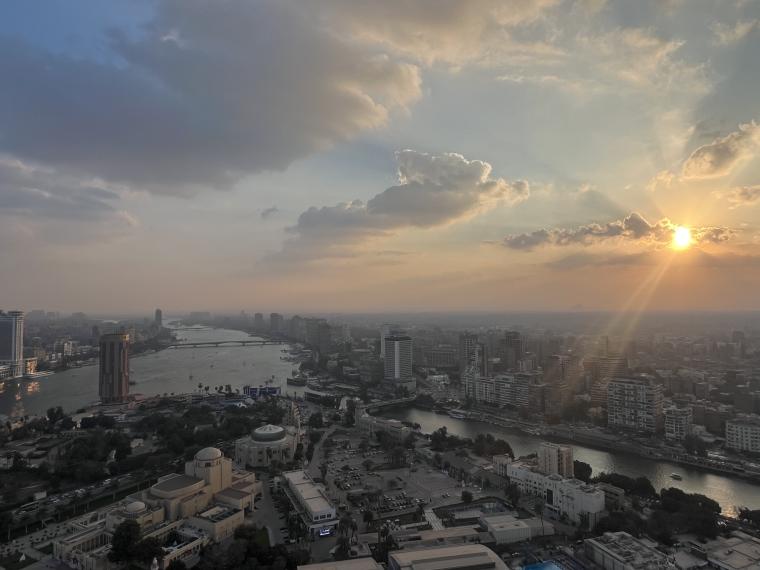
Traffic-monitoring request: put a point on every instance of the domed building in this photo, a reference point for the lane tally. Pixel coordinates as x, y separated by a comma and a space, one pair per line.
266, 444
183, 512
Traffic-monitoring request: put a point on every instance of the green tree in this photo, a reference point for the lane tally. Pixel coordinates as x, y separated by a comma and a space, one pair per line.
466, 497
582, 471
125, 539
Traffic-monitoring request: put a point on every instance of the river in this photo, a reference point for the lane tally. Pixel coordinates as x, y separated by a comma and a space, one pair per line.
174, 370
729, 492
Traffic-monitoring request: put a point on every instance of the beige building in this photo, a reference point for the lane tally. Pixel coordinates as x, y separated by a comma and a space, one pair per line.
446, 558
310, 502
185, 512
554, 459
266, 444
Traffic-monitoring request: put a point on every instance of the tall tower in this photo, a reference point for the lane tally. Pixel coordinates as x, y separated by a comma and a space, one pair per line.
12, 341
114, 367
158, 319
398, 358
387, 330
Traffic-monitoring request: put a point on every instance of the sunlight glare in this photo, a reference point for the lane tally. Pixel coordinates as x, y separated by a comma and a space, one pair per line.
681, 237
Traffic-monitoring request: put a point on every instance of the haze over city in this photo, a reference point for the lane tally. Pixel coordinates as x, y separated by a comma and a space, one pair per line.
353, 156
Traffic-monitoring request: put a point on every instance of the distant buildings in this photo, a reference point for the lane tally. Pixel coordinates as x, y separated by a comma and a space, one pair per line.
388, 329
158, 318
635, 404
12, 342
276, 323
554, 459
678, 422
518, 390
743, 434
114, 368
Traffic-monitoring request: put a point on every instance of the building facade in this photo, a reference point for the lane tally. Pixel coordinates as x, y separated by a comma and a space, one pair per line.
398, 358
743, 434
266, 444
678, 422
114, 368
635, 404
554, 459
12, 342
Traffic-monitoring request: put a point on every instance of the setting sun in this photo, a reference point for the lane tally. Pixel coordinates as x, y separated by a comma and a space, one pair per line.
681, 237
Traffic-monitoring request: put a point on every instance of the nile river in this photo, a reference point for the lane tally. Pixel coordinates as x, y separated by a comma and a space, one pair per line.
729, 492
181, 370
174, 370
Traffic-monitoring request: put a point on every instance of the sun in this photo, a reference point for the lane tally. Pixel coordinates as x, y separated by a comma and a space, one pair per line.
681, 237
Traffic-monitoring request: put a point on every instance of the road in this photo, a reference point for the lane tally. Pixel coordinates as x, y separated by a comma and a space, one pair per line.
265, 513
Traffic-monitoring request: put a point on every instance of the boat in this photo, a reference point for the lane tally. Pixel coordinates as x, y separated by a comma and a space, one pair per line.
458, 414
675, 476
296, 381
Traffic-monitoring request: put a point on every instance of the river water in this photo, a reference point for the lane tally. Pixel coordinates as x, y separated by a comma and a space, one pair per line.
181, 370
729, 492
174, 370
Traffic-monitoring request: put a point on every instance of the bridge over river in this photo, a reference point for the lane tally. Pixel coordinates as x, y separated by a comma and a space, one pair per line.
216, 343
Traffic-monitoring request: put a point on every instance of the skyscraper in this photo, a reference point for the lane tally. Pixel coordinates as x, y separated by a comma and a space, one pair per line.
158, 319
276, 323
635, 403
12, 341
114, 367
398, 358
513, 349
387, 329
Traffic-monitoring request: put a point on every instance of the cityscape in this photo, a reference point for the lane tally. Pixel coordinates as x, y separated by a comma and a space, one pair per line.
380, 285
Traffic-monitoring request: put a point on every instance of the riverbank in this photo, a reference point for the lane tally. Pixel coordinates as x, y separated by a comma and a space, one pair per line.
730, 491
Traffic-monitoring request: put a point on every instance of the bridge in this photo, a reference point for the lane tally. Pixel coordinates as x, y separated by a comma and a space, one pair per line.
213, 343
375, 407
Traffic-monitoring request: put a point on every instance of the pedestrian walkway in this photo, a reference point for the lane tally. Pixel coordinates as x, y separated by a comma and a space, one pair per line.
433, 519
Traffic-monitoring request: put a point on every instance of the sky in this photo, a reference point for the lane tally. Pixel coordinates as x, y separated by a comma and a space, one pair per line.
362, 156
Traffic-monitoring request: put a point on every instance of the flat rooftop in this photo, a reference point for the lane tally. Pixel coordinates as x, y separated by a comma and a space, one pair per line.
175, 483
309, 493
462, 557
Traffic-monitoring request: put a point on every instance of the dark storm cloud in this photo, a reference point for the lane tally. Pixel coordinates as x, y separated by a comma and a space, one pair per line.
207, 93
269, 212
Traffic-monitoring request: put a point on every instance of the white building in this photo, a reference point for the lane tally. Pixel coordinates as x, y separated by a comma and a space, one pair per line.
311, 502
621, 551
678, 422
503, 390
570, 498
507, 529
266, 444
371, 425
635, 404
743, 433
388, 329
12, 342
554, 459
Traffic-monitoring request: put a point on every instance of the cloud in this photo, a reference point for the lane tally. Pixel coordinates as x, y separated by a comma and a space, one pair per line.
432, 190
719, 157
269, 212
742, 196
204, 95
632, 228
446, 31
724, 35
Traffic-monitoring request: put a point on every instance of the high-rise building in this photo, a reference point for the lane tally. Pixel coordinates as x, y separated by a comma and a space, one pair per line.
12, 342
743, 433
114, 367
398, 358
634, 403
276, 323
514, 350
158, 318
258, 321
387, 329
554, 459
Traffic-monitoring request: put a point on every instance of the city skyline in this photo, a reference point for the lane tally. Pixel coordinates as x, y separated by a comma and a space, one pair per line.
477, 156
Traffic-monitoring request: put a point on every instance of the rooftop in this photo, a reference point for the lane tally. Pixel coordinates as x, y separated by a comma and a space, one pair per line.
442, 558
175, 483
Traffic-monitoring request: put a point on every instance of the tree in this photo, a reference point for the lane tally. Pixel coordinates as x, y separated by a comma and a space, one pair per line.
368, 464
582, 471
512, 492
466, 497
125, 539
176, 565
316, 421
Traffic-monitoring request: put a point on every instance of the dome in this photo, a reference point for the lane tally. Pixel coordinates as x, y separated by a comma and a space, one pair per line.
268, 433
134, 508
208, 454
